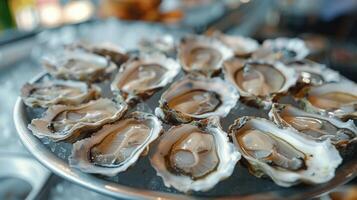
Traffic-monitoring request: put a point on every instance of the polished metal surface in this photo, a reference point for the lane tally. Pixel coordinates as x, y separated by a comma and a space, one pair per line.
24, 168
241, 184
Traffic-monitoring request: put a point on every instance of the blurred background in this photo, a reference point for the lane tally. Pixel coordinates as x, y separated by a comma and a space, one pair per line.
30, 28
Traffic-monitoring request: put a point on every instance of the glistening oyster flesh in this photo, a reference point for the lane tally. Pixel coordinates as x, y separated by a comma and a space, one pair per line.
194, 156
117, 146
202, 55
142, 76
52, 92
313, 125
196, 98
62, 122
258, 82
284, 155
335, 99
79, 65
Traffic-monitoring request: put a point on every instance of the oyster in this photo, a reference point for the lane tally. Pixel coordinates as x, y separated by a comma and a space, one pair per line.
241, 46
116, 146
62, 122
196, 98
79, 65
109, 50
282, 49
313, 125
51, 92
258, 82
142, 76
284, 155
194, 156
202, 55
314, 73
334, 99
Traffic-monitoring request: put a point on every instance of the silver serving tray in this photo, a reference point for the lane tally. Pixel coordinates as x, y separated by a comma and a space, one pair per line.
140, 181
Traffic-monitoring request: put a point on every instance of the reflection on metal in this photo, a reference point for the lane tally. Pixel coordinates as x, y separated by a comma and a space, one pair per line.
24, 168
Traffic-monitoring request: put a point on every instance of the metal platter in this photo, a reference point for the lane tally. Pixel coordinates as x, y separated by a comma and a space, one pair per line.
140, 181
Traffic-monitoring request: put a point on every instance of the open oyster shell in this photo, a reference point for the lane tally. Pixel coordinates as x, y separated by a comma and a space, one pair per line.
202, 55
193, 98
194, 156
117, 146
313, 73
284, 155
109, 50
79, 65
314, 126
52, 92
141, 76
334, 99
62, 122
258, 82
241, 46
282, 49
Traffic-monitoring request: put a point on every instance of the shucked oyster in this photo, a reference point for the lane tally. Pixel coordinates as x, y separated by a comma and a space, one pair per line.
202, 55
113, 52
142, 76
241, 46
62, 122
282, 49
116, 146
79, 65
314, 126
313, 73
194, 156
284, 155
258, 82
196, 98
51, 92
335, 99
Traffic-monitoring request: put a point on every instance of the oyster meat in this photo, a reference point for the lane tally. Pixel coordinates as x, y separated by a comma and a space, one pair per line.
202, 55
241, 46
52, 92
62, 122
142, 76
282, 49
194, 98
313, 125
117, 146
334, 99
284, 155
194, 157
79, 65
258, 82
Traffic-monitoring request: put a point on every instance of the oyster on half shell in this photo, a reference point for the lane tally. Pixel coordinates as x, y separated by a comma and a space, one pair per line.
258, 82
201, 55
62, 122
284, 155
52, 92
117, 146
79, 65
334, 99
193, 98
313, 73
314, 126
282, 49
241, 46
140, 77
194, 157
